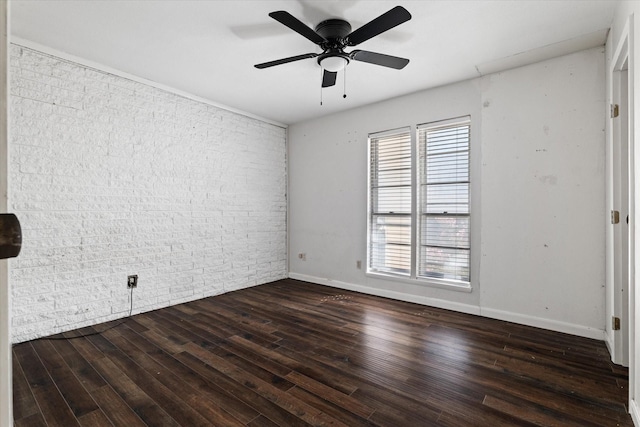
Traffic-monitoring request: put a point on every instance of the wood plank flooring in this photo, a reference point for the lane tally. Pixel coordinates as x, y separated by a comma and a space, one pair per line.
291, 353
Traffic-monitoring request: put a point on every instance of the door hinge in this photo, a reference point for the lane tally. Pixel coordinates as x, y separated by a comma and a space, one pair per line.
615, 110
615, 323
615, 217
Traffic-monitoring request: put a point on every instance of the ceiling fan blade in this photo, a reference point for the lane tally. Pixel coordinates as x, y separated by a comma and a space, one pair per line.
296, 25
379, 59
286, 60
382, 23
329, 78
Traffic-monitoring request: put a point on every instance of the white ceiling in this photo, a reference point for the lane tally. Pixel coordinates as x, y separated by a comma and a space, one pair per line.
208, 48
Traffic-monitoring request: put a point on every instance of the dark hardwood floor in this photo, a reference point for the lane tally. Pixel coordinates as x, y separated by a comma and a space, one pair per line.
292, 353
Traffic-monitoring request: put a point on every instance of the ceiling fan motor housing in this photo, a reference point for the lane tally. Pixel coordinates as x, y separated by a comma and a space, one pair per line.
334, 31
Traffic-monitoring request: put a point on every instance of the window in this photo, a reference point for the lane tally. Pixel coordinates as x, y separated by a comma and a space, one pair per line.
444, 201
419, 216
390, 202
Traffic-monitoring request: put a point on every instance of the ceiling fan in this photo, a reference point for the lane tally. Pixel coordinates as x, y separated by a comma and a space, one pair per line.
334, 35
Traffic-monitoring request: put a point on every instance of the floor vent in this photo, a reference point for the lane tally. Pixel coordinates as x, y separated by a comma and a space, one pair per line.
339, 297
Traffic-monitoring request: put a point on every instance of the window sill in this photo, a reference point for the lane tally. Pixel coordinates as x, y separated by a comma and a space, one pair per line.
451, 285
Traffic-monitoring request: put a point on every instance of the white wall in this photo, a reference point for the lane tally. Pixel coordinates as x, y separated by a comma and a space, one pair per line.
112, 177
537, 193
543, 194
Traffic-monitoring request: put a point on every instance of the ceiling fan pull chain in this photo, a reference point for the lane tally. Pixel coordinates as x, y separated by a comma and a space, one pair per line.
321, 74
344, 81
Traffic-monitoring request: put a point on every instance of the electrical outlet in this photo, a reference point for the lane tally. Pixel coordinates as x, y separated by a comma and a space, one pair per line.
359, 265
132, 281
302, 256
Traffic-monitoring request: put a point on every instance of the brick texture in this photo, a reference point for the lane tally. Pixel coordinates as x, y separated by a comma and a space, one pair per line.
112, 177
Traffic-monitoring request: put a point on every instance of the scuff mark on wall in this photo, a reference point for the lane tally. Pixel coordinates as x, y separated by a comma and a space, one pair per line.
549, 179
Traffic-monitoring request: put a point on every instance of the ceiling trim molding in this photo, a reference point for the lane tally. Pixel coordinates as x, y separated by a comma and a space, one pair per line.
18, 41
543, 53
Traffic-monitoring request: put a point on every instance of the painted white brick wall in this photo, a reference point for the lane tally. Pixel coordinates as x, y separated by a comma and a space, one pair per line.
111, 177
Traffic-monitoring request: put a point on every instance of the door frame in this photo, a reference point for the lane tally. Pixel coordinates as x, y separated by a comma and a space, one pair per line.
624, 50
620, 199
6, 388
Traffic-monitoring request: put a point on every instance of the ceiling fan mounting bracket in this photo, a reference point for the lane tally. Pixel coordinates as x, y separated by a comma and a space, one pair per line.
334, 31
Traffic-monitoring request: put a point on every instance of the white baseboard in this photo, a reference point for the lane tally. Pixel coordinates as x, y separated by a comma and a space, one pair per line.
635, 412
432, 302
508, 316
609, 341
540, 322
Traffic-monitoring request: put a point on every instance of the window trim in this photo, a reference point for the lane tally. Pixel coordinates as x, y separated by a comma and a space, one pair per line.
413, 278
431, 282
443, 124
376, 135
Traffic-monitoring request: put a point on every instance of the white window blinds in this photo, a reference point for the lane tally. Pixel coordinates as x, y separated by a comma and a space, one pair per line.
419, 205
444, 221
390, 202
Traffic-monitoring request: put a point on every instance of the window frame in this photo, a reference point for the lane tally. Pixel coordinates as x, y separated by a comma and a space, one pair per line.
435, 126
413, 277
378, 135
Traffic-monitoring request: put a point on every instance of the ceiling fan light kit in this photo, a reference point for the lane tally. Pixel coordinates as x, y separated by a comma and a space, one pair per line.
334, 35
333, 63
